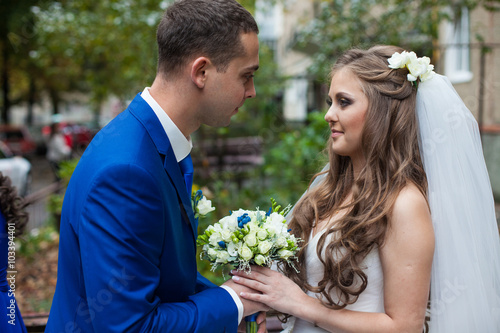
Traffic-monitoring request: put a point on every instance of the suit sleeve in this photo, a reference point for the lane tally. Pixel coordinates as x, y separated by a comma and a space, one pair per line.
121, 242
202, 283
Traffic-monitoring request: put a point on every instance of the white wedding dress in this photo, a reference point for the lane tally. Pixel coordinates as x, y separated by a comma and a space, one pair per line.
370, 300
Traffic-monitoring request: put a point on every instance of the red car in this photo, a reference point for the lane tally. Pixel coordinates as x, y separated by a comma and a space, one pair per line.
77, 136
18, 139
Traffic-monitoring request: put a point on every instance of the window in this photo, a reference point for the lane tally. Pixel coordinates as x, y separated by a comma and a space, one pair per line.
457, 52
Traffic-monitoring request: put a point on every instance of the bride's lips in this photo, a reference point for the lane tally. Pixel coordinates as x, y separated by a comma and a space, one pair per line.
336, 133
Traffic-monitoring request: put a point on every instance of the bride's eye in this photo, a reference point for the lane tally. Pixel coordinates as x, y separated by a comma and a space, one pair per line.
329, 101
343, 102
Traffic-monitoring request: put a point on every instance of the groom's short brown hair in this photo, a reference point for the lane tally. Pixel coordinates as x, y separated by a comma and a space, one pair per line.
210, 28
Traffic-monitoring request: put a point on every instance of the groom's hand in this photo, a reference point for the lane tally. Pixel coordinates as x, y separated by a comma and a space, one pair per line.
249, 307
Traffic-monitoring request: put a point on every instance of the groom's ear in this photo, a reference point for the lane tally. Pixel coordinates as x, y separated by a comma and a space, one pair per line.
199, 69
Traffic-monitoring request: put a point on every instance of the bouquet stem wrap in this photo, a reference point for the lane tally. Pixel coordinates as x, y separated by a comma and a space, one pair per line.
251, 321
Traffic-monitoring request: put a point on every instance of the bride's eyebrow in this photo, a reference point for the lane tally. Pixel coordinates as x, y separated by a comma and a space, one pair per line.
343, 94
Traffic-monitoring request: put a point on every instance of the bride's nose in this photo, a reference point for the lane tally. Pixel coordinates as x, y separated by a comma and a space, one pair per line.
331, 115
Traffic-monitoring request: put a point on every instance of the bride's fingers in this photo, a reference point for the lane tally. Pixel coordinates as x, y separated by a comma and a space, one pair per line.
253, 284
257, 273
252, 275
254, 297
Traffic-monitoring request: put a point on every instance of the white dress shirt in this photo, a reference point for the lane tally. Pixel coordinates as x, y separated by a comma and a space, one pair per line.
182, 147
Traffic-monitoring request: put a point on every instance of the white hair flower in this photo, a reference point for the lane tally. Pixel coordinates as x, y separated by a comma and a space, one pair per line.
420, 69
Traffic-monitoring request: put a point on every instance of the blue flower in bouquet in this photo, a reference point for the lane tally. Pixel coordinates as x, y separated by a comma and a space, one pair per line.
249, 237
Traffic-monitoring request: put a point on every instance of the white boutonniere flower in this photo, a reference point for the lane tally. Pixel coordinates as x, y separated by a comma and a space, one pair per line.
201, 205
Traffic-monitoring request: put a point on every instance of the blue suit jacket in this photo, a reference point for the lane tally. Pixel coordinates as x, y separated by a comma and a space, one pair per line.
127, 253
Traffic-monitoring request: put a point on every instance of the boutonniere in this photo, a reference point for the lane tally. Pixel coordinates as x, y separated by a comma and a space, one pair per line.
201, 205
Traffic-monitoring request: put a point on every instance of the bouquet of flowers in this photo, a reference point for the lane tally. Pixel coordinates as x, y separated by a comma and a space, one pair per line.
246, 237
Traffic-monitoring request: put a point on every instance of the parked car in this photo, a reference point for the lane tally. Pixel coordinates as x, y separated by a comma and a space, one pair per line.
17, 168
18, 139
77, 136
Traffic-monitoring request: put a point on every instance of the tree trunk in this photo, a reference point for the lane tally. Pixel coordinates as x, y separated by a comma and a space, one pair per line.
54, 98
31, 101
5, 83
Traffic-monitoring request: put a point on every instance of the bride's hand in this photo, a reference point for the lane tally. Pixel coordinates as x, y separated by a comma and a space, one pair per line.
276, 290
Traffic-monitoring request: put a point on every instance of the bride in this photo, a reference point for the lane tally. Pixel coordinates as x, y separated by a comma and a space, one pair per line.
399, 228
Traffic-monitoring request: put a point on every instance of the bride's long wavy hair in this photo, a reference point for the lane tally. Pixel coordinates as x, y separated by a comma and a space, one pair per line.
390, 147
11, 205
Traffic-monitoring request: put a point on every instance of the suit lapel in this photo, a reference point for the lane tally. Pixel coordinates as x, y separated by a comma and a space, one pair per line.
143, 112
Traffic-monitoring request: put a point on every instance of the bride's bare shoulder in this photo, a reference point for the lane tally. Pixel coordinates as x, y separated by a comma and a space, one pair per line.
410, 200
411, 211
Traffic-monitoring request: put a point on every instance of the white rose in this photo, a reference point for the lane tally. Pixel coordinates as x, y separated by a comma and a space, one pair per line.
270, 229
250, 239
262, 234
232, 249
204, 206
226, 235
411, 57
281, 242
212, 253
398, 60
245, 253
229, 222
418, 66
429, 74
222, 257
264, 247
260, 259
217, 228
253, 226
411, 78
215, 238
276, 218
275, 224
285, 254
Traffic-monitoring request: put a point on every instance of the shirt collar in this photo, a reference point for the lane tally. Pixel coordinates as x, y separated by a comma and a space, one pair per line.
180, 144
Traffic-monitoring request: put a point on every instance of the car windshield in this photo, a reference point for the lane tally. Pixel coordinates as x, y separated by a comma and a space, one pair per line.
14, 135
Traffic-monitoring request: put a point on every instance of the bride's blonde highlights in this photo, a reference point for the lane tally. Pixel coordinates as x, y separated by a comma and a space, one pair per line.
390, 147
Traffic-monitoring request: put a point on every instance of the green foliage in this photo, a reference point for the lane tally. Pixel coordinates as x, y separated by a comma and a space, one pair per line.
340, 25
55, 201
35, 241
295, 158
66, 169
103, 47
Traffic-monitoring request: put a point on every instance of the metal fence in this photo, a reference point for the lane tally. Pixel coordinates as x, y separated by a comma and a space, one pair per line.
36, 205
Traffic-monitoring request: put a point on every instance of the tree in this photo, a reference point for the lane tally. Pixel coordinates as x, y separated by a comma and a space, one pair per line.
16, 41
341, 24
100, 47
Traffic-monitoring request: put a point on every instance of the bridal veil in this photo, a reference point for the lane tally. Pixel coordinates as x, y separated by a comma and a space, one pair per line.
465, 283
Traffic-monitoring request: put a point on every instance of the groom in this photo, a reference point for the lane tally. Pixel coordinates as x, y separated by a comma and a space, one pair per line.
127, 255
